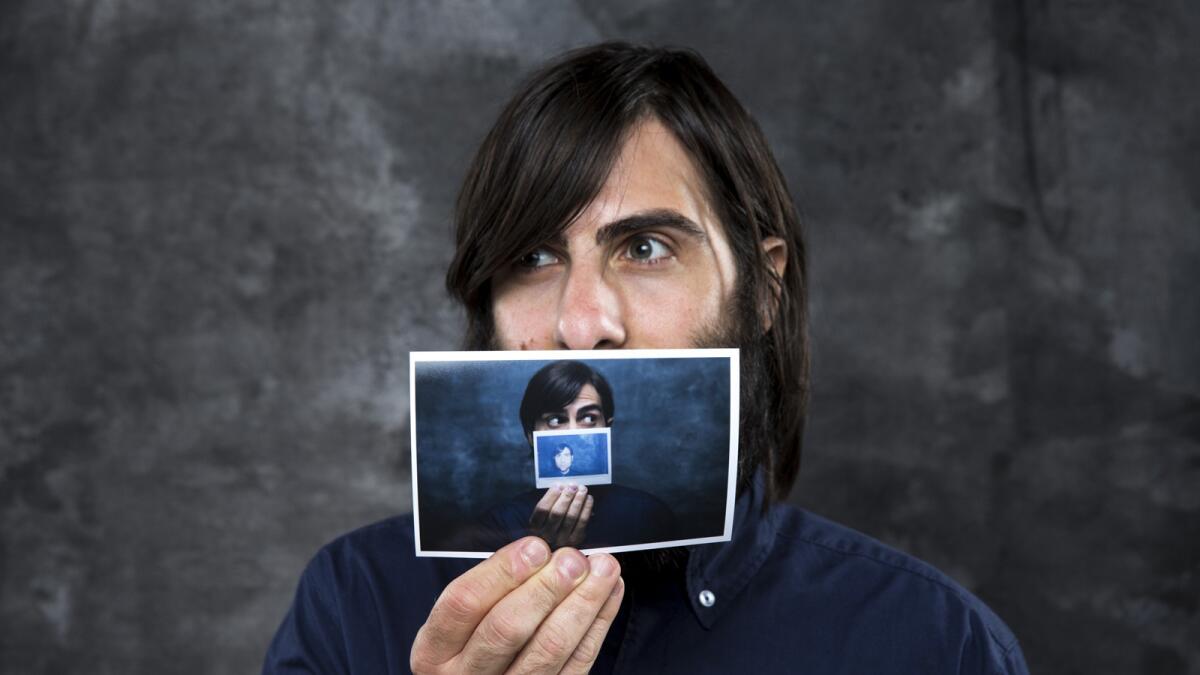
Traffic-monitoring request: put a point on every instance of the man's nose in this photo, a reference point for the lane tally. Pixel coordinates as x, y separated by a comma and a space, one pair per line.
589, 313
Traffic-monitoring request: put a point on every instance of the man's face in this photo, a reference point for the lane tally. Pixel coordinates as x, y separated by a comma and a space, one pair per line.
645, 265
585, 412
562, 459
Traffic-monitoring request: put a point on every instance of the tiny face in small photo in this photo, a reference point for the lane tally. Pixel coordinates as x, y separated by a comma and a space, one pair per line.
579, 456
563, 457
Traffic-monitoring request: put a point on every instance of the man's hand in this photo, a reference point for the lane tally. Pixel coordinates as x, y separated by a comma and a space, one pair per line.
561, 515
522, 610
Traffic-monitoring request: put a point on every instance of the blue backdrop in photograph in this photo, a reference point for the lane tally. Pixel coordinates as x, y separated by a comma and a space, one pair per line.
589, 454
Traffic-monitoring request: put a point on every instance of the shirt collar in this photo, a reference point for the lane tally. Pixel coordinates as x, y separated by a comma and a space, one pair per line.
717, 573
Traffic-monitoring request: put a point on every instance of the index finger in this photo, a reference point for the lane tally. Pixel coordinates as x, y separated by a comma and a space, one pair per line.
464, 603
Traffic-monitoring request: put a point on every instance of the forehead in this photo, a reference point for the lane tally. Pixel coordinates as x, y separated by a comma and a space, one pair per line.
653, 171
587, 394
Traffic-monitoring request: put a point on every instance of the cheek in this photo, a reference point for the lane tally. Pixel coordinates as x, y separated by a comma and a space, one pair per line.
524, 318
668, 313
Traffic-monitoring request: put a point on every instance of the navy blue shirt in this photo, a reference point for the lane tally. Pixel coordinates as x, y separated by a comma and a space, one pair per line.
792, 592
622, 516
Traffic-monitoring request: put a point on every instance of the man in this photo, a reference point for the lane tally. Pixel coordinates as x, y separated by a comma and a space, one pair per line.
625, 199
569, 395
563, 458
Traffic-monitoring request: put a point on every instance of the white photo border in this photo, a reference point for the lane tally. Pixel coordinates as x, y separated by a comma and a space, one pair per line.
584, 355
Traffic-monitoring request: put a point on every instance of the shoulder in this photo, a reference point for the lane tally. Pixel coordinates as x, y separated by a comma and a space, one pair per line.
381, 554
395, 532
390, 539
632, 501
631, 495
358, 595
895, 584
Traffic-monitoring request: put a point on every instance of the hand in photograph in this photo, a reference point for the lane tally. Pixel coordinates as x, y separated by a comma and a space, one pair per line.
522, 609
561, 516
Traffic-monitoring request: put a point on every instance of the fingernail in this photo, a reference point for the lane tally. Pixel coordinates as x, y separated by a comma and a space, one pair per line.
603, 566
535, 553
618, 587
572, 566
582, 489
570, 488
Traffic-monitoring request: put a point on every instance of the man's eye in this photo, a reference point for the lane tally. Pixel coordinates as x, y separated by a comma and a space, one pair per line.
588, 420
555, 421
646, 249
537, 258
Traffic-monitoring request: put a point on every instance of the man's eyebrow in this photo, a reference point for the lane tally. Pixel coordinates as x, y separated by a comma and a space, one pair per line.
647, 220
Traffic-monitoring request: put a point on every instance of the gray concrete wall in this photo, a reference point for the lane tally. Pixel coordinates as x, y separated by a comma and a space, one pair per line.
223, 226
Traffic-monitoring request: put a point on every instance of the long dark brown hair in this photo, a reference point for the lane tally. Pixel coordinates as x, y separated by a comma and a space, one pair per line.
555, 385
549, 154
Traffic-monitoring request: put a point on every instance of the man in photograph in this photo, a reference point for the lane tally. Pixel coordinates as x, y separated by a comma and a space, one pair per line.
625, 199
562, 459
570, 395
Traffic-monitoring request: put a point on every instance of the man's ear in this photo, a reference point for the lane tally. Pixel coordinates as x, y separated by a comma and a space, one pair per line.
775, 250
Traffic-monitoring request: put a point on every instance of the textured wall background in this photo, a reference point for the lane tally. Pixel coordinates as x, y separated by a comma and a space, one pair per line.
670, 438
223, 226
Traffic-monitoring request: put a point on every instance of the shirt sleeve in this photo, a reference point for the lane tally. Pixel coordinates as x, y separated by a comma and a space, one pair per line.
1013, 661
988, 653
310, 639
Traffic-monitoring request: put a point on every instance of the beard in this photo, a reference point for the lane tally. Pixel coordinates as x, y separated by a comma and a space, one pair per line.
740, 328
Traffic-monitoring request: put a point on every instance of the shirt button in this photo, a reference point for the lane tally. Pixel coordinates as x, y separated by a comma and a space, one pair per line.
707, 598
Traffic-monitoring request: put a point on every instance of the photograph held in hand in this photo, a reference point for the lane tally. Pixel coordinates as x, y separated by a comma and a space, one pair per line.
624, 199
611, 450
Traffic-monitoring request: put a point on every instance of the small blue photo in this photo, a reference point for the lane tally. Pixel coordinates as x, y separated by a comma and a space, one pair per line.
579, 457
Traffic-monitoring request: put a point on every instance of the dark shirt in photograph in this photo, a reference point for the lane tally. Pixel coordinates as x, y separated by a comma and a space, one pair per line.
620, 516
